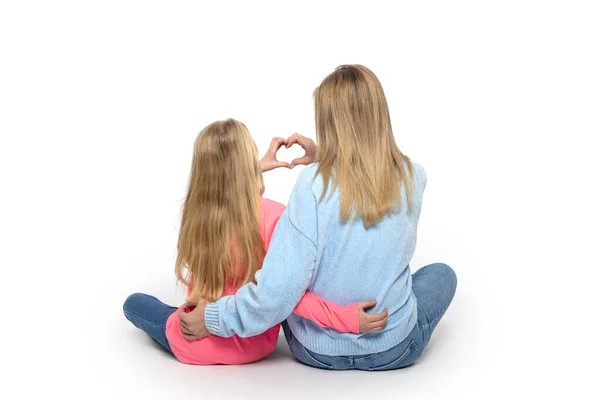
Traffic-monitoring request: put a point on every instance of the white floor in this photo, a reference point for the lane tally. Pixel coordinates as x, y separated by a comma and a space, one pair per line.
476, 352
463, 361
141, 367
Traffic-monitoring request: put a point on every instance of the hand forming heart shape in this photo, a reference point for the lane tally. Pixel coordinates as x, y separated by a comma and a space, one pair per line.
270, 161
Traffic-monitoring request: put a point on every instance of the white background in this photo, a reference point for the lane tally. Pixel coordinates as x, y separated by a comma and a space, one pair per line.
100, 104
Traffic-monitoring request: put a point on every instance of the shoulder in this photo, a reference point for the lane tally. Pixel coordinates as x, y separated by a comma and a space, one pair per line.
420, 174
307, 176
309, 183
301, 211
306, 190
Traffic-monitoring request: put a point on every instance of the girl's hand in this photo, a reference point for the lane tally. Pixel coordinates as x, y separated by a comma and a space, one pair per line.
310, 149
269, 161
370, 322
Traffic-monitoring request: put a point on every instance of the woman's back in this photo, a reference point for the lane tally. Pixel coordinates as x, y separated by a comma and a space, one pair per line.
353, 263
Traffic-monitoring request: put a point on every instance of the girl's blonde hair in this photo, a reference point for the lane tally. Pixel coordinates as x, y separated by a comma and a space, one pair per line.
220, 236
357, 150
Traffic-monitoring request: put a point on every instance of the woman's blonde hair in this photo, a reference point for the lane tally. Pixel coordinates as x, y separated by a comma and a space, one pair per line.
357, 150
220, 236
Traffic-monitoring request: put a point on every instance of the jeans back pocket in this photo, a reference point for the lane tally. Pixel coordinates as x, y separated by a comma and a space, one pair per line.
410, 354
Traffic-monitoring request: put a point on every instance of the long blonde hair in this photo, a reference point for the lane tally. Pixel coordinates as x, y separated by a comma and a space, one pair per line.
357, 150
220, 236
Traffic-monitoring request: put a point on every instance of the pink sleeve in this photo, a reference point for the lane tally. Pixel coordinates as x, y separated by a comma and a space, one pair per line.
328, 314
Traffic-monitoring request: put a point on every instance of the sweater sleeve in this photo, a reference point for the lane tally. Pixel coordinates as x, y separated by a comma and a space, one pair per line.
281, 282
328, 314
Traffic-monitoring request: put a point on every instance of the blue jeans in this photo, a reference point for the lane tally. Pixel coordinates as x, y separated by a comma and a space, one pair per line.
434, 286
150, 315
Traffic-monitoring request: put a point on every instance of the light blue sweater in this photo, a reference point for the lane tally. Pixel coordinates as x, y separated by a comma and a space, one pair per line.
312, 250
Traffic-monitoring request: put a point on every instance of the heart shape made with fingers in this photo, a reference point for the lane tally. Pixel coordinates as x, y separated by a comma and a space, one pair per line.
285, 154
282, 149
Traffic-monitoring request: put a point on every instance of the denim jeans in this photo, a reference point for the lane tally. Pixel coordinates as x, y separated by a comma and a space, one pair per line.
150, 315
434, 287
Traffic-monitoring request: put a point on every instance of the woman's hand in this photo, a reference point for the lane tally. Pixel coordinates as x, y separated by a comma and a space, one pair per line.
310, 149
370, 322
191, 321
269, 161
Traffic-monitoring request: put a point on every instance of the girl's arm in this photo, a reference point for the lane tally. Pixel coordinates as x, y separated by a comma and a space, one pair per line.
328, 314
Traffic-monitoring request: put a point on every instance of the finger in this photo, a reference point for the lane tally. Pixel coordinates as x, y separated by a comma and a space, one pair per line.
183, 325
182, 316
379, 324
295, 138
276, 140
284, 164
276, 143
371, 319
291, 140
189, 337
376, 324
365, 304
378, 317
374, 318
186, 331
301, 161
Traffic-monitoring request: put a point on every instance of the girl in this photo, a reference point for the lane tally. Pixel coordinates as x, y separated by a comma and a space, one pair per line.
348, 233
225, 230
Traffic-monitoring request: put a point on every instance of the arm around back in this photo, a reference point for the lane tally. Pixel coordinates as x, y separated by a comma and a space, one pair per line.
284, 277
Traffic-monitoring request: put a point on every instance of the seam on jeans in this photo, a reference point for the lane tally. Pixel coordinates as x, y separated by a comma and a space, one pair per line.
311, 358
419, 349
412, 345
129, 314
428, 325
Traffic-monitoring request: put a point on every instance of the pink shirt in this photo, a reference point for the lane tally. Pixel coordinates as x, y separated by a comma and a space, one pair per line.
236, 350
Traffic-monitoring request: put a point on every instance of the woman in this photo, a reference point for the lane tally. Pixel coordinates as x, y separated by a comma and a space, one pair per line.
349, 233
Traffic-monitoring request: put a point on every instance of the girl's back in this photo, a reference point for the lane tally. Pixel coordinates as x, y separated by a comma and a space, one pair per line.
232, 350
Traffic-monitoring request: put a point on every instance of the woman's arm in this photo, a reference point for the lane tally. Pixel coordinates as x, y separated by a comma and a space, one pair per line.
280, 284
284, 277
